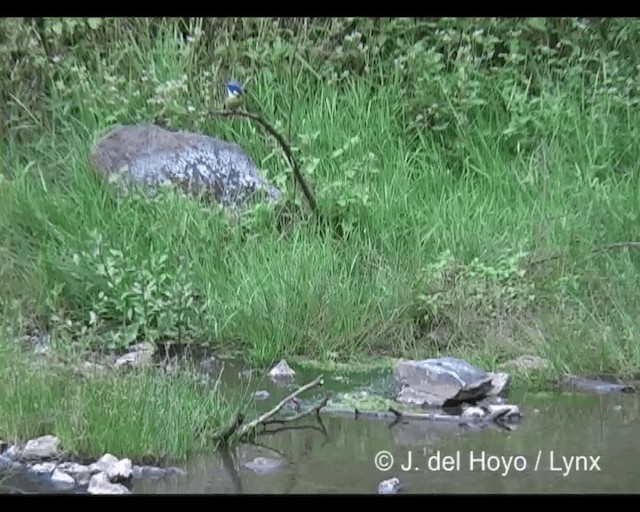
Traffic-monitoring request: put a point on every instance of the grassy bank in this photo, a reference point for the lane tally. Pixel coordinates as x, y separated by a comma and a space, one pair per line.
145, 415
473, 171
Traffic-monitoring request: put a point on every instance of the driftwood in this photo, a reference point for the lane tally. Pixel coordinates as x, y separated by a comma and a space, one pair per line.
494, 414
240, 428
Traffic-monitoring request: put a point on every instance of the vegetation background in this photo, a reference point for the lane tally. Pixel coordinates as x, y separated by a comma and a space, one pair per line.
479, 167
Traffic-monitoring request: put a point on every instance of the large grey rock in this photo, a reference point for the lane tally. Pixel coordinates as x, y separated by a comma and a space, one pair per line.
436, 382
45, 447
148, 155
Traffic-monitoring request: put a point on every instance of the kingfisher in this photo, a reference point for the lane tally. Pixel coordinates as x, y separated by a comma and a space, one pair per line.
235, 95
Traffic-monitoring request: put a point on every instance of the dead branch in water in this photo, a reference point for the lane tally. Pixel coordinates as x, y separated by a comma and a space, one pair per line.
267, 417
224, 435
316, 408
497, 415
240, 428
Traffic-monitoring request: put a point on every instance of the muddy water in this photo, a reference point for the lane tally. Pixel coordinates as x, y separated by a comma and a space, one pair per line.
566, 443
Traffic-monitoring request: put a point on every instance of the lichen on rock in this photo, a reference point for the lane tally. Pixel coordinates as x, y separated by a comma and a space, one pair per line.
151, 156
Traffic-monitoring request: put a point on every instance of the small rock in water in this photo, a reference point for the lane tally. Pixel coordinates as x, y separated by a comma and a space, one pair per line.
391, 486
617, 408
141, 354
80, 473
9, 464
62, 479
175, 471
263, 465
150, 472
508, 413
13, 452
473, 412
43, 468
115, 470
281, 372
597, 386
45, 447
499, 383
100, 484
211, 366
261, 395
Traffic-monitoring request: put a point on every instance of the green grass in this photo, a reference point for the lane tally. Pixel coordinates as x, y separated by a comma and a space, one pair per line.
444, 227
144, 415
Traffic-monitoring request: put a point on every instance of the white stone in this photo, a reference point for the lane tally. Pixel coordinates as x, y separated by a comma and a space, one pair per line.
140, 355
43, 468
61, 478
13, 452
116, 470
100, 484
79, 472
263, 465
473, 412
391, 486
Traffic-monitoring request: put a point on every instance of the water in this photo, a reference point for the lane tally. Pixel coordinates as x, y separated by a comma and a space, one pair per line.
599, 433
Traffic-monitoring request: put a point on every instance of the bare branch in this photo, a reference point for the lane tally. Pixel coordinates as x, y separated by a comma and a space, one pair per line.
316, 408
286, 148
245, 428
